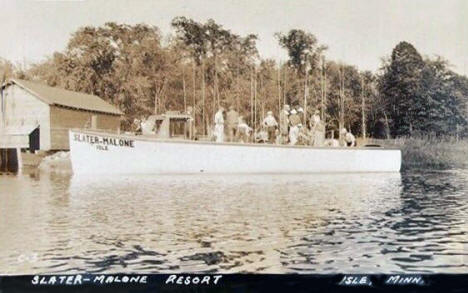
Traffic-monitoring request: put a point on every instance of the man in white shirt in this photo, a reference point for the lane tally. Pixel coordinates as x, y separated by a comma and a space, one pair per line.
219, 125
349, 138
270, 123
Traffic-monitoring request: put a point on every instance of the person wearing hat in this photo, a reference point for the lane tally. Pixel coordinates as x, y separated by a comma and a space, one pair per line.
270, 124
348, 137
316, 127
232, 119
284, 124
315, 119
219, 125
295, 123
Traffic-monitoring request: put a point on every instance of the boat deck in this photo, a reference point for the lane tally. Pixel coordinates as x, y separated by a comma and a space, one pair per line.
185, 141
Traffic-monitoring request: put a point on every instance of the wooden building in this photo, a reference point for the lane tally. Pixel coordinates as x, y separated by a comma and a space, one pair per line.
35, 116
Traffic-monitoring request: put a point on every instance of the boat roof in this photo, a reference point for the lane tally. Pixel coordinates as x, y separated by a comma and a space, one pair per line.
170, 115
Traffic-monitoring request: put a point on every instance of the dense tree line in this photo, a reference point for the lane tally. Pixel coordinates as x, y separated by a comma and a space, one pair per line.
205, 65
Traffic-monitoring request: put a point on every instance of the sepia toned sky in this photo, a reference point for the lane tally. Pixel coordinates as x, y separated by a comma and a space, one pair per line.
357, 32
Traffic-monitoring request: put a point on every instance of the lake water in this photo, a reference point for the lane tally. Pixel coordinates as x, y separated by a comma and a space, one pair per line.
372, 223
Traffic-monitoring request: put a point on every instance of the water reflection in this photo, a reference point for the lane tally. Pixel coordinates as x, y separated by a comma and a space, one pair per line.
232, 223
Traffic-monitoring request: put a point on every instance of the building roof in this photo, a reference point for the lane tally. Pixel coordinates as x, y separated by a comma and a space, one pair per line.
66, 98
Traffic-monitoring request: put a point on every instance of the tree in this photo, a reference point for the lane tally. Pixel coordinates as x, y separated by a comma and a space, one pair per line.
304, 57
400, 87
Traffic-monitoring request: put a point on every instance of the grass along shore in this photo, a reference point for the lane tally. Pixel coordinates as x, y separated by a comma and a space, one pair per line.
430, 153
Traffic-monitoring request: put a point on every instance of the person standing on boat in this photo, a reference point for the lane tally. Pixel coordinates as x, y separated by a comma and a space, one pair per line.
137, 126
349, 138
284, 124
300, 113
243, 130
315, 126
232, 119
315, 120
190, 124
295, 123
219, 125
270, 124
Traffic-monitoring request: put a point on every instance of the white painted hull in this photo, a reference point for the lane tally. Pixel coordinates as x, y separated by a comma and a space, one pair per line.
102, 153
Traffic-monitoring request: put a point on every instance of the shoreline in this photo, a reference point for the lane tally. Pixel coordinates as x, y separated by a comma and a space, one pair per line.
427, 153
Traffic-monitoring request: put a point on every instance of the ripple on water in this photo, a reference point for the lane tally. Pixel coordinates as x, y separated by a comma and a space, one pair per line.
322, 223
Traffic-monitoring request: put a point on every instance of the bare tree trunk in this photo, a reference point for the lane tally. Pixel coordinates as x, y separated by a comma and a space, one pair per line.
193, 96
306, 93
238, 91
203, 96
255, 98
156, 104
387, 126
284, 84
183, 87
215, 79
279, 88
324, 119
363, 109
322, 91
251, 98
341, 121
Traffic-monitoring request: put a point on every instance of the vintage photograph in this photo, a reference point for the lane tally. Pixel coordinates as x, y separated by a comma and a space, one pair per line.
259, 137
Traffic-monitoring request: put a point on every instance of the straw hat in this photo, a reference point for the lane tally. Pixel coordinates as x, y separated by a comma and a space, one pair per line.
300, 110
293, 111
343, 130
269, 113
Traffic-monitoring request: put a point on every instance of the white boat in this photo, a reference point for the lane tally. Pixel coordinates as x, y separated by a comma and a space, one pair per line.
94, 152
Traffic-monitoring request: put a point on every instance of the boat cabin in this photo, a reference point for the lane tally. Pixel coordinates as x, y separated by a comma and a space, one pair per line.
172, 124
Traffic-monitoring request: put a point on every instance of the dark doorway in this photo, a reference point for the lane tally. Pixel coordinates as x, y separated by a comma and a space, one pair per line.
8, 160
34, 143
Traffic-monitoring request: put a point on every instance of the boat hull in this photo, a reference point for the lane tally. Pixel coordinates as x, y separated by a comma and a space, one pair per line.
103, 153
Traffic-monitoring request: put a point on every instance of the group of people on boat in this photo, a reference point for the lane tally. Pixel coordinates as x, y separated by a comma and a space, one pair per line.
293, 128
236, 128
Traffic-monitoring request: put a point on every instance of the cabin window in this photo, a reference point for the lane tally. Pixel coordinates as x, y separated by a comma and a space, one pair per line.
177, 127
157, 126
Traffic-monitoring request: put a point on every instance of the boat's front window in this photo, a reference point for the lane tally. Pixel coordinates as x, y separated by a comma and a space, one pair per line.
157, 125
177, 127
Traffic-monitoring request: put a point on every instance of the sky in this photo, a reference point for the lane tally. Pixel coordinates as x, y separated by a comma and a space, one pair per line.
358, 32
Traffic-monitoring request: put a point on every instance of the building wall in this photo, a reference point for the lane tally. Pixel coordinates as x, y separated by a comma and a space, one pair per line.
23, 110
62, 119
